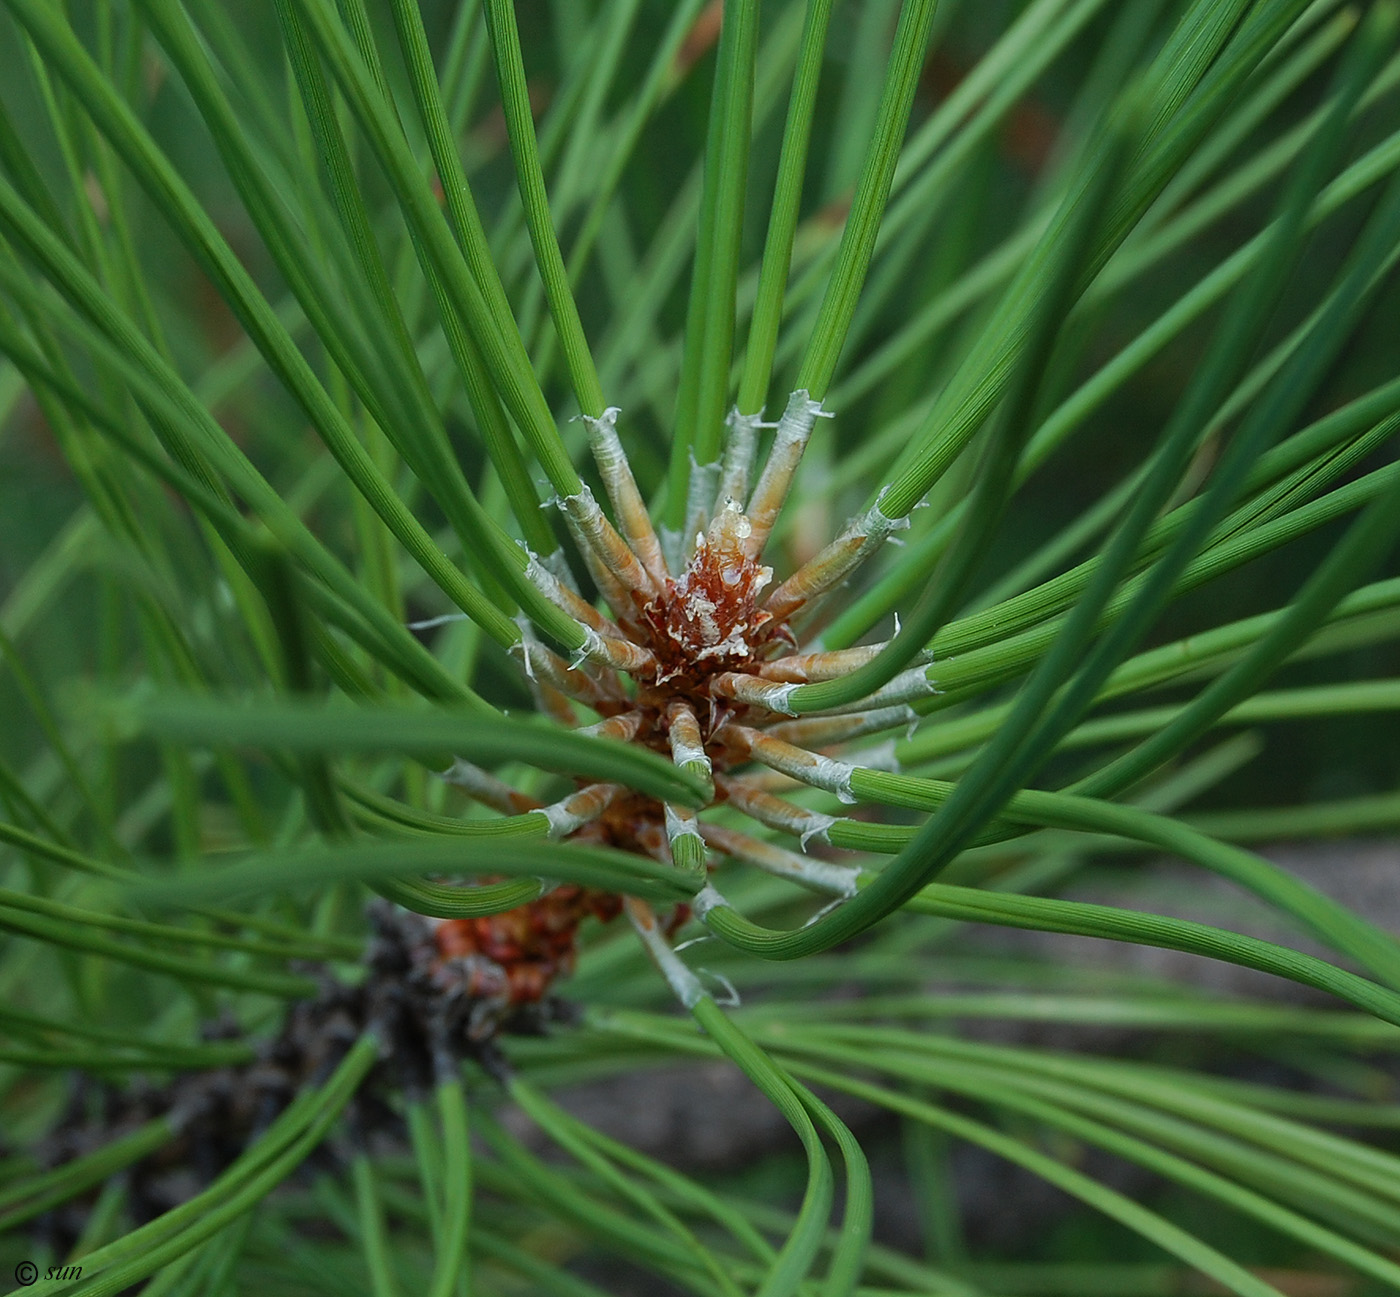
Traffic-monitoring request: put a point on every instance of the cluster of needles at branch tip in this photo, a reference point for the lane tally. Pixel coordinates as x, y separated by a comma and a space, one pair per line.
699, 661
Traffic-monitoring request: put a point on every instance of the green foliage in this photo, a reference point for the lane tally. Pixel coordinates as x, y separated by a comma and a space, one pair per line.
336, 316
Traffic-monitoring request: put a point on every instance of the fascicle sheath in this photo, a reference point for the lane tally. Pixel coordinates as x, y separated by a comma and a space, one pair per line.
687, 742
580, 808
541, 663
561, 596
906, 687
674, 546
806, 826
620, 654
549, 698
748, 689
823, 731
819, 875
602, 539
558, 567
706, 899
680, 823
880, 756
683, 837
739, 451
699, 504
683, 731
771, 781
621, 486
808, 668
820, 772
861, 537
614, 593
683, 983
624, 727
790, 440
485, 788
